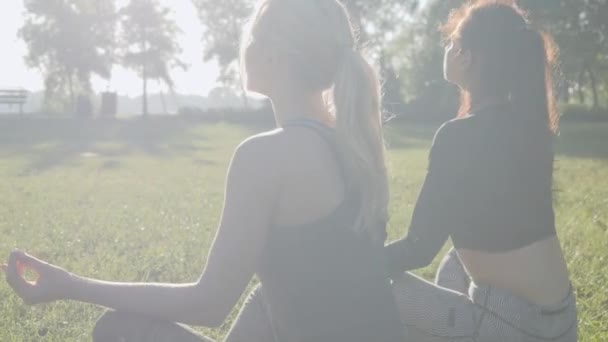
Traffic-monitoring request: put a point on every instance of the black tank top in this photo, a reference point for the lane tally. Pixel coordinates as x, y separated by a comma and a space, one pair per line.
326, 282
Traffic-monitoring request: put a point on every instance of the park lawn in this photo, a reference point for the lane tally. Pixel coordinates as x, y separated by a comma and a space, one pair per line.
140, 201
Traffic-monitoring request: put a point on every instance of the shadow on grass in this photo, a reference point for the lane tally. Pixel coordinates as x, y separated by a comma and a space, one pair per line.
584, 140
53, 142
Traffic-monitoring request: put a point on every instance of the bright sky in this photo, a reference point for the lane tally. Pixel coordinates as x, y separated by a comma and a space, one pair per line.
198, 79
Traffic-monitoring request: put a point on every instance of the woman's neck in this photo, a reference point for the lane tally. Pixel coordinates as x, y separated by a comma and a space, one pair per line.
480, 103
290, 106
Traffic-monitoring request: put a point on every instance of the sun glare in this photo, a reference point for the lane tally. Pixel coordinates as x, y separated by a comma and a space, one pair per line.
199, 79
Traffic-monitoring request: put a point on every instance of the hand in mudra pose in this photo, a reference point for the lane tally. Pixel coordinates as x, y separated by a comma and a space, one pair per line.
51, 283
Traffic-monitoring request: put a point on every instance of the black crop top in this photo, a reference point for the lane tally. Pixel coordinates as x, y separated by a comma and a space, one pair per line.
488, 187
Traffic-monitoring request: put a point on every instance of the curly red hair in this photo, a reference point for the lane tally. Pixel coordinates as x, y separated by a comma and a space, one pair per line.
517, 60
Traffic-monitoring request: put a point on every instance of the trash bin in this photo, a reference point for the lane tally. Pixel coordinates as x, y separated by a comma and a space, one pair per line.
84, 106
109, 105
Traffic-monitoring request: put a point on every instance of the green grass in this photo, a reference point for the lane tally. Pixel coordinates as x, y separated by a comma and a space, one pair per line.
140, 201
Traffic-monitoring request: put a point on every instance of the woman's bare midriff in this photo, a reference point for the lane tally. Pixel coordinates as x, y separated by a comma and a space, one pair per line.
536, 272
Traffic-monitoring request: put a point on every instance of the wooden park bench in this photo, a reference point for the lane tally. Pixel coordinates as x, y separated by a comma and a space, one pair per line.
13, 97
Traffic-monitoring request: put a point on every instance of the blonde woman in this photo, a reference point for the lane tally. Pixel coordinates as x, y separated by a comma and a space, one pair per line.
305, 206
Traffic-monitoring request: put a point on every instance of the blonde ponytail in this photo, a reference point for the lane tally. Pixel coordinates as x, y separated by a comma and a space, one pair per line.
356, 101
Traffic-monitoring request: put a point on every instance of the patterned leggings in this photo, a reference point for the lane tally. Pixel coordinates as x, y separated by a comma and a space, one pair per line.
451, 309
455, 309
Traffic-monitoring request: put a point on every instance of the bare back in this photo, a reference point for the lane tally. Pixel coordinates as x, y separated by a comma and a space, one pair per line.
312, 184
536, 272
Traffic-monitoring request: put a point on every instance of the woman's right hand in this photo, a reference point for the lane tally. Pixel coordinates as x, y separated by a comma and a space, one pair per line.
53, 283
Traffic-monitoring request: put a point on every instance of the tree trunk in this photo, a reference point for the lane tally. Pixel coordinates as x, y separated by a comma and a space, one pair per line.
581, 83
72, 96
564, 91
163, 102
144, 73
593, 82
144, 99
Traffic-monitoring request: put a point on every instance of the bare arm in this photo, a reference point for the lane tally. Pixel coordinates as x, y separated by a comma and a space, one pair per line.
251, 191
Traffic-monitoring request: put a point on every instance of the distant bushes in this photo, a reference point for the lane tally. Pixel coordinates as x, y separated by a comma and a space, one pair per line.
438, 103
263, 115
429, 109
576, 112
443, 109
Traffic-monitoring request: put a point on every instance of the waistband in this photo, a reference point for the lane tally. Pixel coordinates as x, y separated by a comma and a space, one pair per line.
545, 322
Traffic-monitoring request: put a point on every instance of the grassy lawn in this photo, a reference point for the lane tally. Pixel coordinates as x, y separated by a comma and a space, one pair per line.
139, 201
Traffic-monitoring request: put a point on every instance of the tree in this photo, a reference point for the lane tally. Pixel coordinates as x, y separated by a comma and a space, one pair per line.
579, 27
69, 40
412, 43
392, 99
223, 22
418, 54
593, 23
581, 30
378, 20
578, 32
148, 43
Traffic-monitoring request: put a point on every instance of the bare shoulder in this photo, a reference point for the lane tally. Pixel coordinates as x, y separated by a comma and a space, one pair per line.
266, 143
278, 150
261, 151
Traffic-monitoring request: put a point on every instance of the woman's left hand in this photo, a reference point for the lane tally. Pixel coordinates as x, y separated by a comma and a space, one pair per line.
52, 283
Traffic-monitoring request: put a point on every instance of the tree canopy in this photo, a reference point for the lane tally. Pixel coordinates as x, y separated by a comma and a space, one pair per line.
148, 43
69, 40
